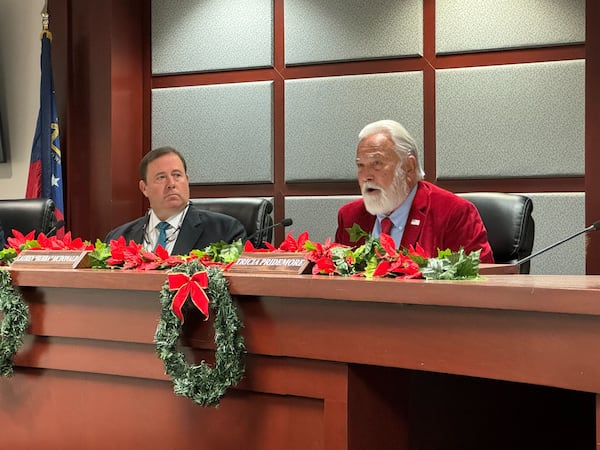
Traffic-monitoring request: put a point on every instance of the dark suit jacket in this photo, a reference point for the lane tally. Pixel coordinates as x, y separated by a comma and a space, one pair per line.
199, 229
2, 238
437, 219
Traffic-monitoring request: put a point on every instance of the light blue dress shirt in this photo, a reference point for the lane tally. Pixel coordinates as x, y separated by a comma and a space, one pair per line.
398, 217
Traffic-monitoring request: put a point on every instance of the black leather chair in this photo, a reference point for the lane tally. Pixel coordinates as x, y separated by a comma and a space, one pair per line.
253, 212
28, 214
509, 224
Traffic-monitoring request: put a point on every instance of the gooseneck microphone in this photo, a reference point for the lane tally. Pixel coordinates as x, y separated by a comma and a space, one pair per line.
593, 227
57, 226
284, 223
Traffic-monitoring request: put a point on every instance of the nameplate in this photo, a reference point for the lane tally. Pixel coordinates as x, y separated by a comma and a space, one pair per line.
289, 263
52, 259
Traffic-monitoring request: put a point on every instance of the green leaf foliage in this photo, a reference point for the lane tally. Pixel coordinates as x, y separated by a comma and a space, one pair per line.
99, 255
14, 323
452, 266
222, 252
356, 232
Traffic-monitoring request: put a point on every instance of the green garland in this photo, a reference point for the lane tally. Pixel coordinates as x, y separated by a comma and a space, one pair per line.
14, 323
201, 383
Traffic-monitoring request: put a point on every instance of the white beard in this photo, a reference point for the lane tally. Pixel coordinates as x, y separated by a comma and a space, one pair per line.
384, 201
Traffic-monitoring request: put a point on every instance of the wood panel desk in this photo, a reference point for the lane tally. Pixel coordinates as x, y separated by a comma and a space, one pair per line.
512, 361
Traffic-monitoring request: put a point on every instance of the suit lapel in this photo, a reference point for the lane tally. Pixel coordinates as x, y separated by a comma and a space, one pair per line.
190, 233
416, 216
138, 230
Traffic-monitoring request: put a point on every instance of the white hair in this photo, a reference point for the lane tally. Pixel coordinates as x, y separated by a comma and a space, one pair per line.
404, 143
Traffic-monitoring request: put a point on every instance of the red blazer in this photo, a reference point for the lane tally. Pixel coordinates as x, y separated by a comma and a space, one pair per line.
438, 219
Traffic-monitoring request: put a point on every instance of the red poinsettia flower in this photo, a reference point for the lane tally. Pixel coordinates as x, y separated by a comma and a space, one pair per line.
318, 252
149, 260
160, 251
133, 256
323, 265
249, 247
172, 261
123, 254
19, 240
388, 245
382, 269
294, 245
323, 258
399, 266
418, 251
407, 267
76, 244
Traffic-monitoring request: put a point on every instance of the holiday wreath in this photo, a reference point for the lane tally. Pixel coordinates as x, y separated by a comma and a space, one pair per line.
200, 383
187, 277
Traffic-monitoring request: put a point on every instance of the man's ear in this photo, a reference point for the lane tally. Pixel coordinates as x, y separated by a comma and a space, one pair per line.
142, 186
409, 165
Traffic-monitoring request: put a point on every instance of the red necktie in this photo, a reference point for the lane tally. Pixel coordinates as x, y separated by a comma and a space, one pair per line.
386, 225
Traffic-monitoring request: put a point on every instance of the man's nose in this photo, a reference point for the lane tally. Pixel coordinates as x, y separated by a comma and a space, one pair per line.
170, 182
365, 175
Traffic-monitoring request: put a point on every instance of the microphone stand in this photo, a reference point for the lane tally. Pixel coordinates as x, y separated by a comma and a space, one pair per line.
593, 227
284, 223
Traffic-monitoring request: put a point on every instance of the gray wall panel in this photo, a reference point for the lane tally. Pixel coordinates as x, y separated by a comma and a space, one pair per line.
336, 30
317, 215
202, 35
323, 117
557, 216
224, 131
477, 25
512, 120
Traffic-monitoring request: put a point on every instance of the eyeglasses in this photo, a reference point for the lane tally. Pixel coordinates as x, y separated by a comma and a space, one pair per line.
171, 233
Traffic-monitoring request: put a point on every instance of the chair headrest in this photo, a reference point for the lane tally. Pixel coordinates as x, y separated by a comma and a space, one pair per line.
27, 214
509, 223
253, 212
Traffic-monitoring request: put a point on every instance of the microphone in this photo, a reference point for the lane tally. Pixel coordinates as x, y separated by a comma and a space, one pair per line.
57, 226
593, 227
284, 223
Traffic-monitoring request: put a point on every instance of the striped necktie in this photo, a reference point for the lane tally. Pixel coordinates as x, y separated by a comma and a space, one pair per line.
162, 234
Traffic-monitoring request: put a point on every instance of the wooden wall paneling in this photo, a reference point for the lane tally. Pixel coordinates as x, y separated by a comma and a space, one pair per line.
429, 117
592, 133
279, 191
101, 84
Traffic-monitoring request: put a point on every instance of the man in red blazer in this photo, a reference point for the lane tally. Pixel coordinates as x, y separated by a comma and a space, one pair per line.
392, 187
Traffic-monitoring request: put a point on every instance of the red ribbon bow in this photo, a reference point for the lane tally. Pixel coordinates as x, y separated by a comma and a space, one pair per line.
184, 285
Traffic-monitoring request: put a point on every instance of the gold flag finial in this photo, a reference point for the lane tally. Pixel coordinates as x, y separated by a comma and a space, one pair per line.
45, 16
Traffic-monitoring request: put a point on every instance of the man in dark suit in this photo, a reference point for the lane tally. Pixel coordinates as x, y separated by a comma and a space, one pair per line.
396, 200
165, 182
